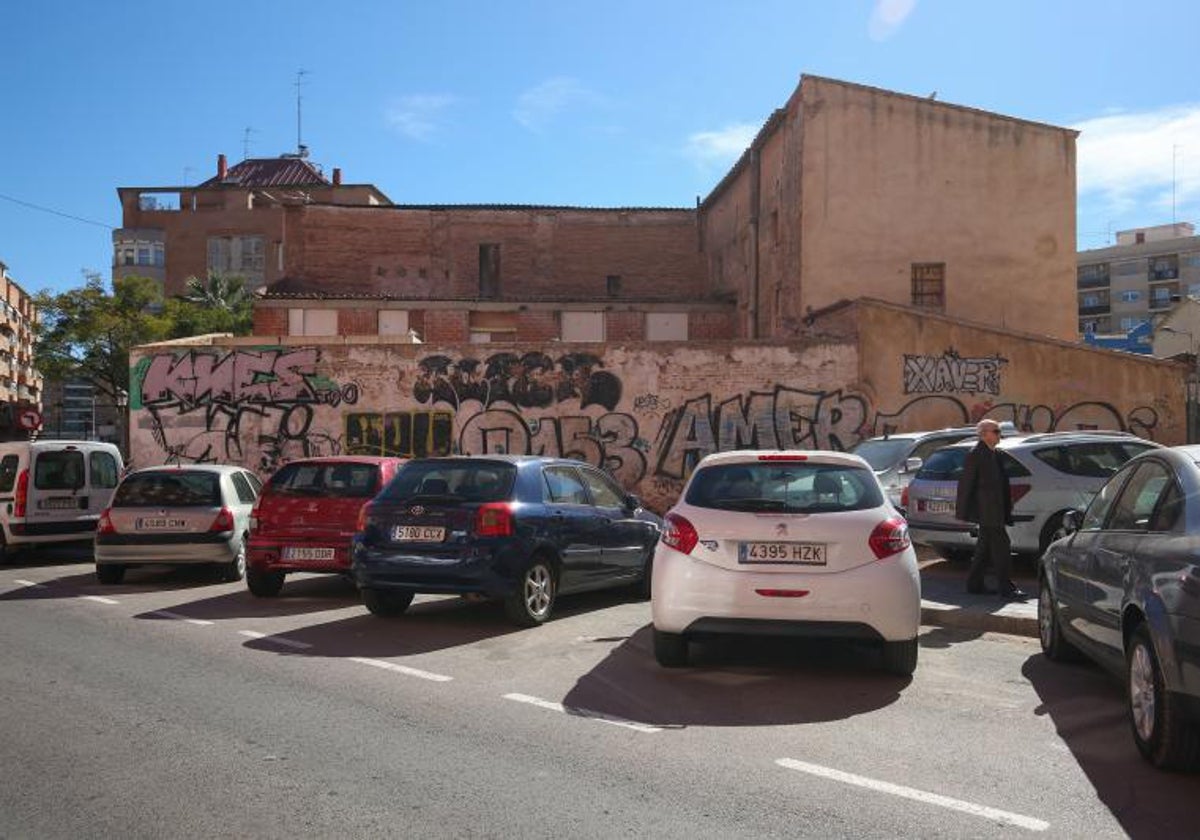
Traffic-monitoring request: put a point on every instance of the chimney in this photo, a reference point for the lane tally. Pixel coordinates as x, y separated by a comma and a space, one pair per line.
337, 176
222, 168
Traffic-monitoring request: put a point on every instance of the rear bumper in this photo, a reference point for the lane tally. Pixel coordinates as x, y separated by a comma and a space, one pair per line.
879, 600
957, 535
30, 533
175, 552
491, 571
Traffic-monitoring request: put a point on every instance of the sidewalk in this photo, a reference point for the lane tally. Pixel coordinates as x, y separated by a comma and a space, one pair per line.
945, 602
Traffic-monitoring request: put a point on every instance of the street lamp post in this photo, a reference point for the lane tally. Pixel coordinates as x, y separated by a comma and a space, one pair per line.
122, 400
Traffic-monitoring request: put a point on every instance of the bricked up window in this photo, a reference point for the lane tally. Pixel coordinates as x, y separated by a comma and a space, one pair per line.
489, 270
612, 285
929, 285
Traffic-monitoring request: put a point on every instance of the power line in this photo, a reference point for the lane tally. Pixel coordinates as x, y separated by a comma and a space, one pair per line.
51, 210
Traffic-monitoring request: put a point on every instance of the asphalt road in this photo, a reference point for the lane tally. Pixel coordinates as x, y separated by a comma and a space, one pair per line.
173, 706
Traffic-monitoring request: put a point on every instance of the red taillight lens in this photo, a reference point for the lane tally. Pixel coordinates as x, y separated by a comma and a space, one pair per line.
223, 522
1018, 491
254, 519
105, 526
494, 519
679, 534
904, 497
21, 496
364, 513
889, 537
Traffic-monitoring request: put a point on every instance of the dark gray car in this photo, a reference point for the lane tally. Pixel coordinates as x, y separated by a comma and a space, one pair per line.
1123, 587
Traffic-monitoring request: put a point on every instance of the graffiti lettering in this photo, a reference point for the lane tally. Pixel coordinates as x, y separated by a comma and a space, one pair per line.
530, 380
399, 434
951, 372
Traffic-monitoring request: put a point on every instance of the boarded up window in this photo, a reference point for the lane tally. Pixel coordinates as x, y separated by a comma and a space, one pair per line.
582, 326
666, 326
488, 327
929, 285
393, 322
312, 322
489, 270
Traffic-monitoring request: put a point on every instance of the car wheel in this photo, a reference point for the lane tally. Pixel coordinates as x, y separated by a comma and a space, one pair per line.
900, 658
1050, 633
264, 584
110, 573
531, 602
386, 603
670, 649
8, 553
235, 569
1163, 733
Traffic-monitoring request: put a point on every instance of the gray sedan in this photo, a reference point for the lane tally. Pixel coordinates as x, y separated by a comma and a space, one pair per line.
1123, 587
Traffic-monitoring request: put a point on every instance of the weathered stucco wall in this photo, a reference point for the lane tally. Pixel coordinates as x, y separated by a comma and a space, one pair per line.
647, 412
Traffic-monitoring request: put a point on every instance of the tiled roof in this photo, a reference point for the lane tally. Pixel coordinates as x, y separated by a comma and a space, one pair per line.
271, 172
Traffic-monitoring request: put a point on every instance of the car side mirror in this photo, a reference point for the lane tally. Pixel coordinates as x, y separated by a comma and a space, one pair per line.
1070, 521
911, 465
633, 502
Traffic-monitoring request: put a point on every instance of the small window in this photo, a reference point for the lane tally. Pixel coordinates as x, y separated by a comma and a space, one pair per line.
604, 493
612, 285
929, 285
489, 270
1131, 296
254, 482
8, 473
1139, 500
61, 470
564, 486
104, 470
1102, 502
245, 492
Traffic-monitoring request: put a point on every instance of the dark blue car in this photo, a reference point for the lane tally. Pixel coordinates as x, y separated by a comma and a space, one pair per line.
523, 529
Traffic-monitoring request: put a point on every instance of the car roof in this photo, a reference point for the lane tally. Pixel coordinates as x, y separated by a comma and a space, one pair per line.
1006, 428
508, 459
222, 469
748, 456
347, 459
1071, 436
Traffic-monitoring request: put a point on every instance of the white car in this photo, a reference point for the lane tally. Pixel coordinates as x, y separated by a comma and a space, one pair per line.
786, 543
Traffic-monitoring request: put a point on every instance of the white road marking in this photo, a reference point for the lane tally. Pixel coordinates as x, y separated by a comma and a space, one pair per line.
275, 640
1019, 820
177, 617
30, 584
578, 712
98, 599
401, 669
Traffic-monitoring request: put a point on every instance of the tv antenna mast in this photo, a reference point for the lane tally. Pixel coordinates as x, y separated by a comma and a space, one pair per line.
246, 141
300, 74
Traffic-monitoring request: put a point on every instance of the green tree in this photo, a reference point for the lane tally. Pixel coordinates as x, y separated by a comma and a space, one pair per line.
88, 332
216, 304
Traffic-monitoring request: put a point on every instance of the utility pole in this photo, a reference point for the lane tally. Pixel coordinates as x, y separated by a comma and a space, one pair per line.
300, 74
246, 141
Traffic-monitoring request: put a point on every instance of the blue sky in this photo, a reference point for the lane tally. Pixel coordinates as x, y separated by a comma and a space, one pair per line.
624, 103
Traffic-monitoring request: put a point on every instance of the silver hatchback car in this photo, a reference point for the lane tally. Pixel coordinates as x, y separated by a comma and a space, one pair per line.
1049, 474
189, 515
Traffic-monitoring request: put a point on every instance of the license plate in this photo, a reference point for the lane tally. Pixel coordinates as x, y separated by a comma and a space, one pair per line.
160, 524
937, 506
805, 554
299, 553
58, 504
417, 533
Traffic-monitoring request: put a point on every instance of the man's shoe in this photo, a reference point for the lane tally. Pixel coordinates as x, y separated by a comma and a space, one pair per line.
980, 590
1015, 594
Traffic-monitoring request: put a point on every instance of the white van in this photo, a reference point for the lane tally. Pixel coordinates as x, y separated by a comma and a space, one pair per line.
54, 490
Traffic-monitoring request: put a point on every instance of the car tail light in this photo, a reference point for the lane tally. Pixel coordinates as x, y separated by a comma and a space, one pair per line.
105, 526
1018, 491
224, 521
679, 533
904, 497
494, 519
783, 457
782, 593
254, 522
889, 537
21, 496
364, 513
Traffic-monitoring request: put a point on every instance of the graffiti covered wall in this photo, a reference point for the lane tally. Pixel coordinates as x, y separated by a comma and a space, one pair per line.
647, 412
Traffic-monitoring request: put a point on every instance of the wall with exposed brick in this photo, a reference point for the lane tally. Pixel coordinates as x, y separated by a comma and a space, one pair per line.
537, 325
270, 321
450, 325
358, 322
625, 326
646, 412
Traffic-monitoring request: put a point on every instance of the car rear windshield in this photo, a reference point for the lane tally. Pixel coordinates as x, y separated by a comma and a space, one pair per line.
61, 470
786, 487
326, 479
169, 489
883, 453
452, 481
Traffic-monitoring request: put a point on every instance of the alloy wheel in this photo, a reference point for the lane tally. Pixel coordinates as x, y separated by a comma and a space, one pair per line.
1143, 699
1046, 616
539, 592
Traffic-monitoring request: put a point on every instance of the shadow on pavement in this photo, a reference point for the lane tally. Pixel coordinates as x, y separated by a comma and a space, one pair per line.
742, 682
55, 554
1088, 708
137, 581
316, 594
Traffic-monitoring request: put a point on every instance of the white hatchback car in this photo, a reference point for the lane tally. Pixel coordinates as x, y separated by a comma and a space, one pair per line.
786, 543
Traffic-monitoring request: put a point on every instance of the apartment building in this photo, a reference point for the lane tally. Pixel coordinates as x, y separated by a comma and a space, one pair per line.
20, 382
1139, 278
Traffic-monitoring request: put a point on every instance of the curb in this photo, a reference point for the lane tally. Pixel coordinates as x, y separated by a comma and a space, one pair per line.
977, 618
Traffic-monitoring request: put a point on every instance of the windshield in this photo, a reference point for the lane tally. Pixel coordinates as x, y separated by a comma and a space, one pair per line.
348, 479
452, 480
787, 488
883, 453
169, 489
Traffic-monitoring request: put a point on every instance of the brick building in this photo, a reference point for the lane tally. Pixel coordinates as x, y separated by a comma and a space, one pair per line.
847, 190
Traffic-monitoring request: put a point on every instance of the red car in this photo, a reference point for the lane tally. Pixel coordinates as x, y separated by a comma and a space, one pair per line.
306, 515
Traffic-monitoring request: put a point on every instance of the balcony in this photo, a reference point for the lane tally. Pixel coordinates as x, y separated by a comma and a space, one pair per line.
1095, 309
1157, 274
1159, 303
1092, 282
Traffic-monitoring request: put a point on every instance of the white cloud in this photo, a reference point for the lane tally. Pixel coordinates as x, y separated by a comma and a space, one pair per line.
1129, 160
723, 147
540, 104
416, 116
887, 17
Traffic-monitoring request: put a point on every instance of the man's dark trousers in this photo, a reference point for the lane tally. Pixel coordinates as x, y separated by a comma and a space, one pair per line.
992, 546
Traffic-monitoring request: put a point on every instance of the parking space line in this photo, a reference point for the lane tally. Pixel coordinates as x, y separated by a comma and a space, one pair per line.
1019, 820
275, 640
98, 599
585, 713
30, 584
177, 617
401, 669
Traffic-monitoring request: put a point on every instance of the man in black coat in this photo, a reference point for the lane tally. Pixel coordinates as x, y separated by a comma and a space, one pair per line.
985, 499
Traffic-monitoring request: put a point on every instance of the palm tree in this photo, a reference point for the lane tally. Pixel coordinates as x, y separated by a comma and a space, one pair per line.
216, 291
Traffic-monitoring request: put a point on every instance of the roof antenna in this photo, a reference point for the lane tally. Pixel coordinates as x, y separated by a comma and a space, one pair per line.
246, 141
300, 150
